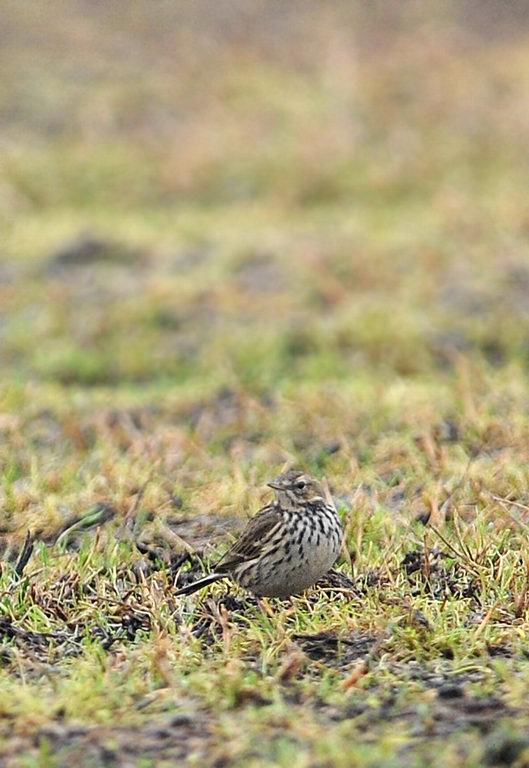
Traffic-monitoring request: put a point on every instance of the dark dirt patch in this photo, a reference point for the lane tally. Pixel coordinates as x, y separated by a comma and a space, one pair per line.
175, 739
457, 713
453, 709
440, 719
337, 651
224, 408
440, 574
505, 748
87, 250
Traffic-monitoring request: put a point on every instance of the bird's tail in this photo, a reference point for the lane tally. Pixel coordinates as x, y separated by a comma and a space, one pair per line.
196, 585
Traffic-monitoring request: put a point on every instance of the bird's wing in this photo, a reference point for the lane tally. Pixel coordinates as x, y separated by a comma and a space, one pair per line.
259, 531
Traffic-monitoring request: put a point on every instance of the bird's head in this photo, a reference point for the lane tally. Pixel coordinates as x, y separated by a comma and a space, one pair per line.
298, 487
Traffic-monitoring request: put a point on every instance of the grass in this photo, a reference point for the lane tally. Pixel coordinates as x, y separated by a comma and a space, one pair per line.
305, 258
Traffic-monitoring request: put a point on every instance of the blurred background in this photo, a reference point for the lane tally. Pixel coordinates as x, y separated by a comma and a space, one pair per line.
219, 193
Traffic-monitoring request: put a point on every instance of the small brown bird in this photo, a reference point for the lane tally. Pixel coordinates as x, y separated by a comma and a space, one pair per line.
288, 546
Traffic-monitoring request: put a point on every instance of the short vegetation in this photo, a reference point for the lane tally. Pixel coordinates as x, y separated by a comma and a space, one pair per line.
239, 236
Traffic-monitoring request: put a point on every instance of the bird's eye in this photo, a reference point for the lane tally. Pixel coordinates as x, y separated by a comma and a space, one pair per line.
300, 485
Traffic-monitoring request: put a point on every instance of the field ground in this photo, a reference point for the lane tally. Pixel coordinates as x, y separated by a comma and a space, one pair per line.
236, 235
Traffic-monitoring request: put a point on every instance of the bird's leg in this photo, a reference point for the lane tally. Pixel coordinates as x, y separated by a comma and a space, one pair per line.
264, 606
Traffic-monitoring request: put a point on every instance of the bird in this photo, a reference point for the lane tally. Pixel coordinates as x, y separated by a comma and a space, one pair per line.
287, 546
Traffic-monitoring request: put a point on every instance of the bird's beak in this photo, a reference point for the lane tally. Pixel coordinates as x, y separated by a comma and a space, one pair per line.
275, 486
